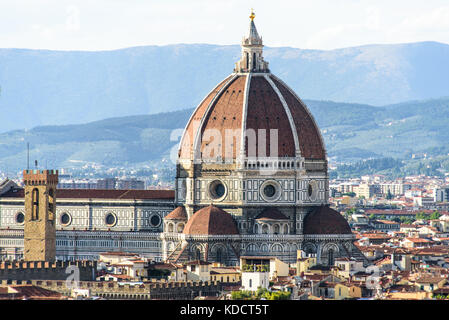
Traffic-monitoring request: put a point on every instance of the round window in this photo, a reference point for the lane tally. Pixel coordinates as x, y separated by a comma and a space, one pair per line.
269, 191
155, 220
111, 219
217, 189
20, 217
65, 219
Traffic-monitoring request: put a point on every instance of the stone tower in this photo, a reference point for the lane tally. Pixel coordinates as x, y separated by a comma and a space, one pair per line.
40, 213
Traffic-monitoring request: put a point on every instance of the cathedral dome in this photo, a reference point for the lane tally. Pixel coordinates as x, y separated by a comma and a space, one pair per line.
211, 221
251, 100
324, 220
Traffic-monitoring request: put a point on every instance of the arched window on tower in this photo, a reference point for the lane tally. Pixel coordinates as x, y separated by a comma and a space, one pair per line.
35, 204
247, 60
51, 205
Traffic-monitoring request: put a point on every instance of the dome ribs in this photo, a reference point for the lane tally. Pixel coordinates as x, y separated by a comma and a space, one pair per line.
325, 220
211, 221
226, 117
189, 133
309, 137
232, 109
265, 111
178, 214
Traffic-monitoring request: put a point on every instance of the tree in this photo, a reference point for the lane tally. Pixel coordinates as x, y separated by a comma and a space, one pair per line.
407, 220
350, 212
280, 295
241, 295
422, 216
435, 215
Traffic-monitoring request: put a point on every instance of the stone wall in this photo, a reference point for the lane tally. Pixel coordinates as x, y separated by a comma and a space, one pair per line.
26, 270
158, 290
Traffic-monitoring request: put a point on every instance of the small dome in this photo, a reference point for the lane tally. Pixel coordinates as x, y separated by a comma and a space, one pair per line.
324, 220
271, 214
211, 221
178, 214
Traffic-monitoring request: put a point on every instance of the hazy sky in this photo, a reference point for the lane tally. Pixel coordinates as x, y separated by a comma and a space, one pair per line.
317, 24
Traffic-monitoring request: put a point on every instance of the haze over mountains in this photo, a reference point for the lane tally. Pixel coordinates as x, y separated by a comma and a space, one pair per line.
351, 132
42, 87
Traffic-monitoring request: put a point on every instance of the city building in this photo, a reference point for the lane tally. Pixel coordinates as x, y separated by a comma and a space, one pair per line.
441, 194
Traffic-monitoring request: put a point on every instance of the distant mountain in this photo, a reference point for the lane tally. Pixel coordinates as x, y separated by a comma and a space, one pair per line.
351, 132
42, 87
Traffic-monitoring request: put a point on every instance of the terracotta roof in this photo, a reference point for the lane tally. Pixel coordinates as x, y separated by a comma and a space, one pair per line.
310, 141
223, 110
198, 114
265, 111
162, 266
211, 221
178, 214
224, 270
418, 240
324, 220
197, 262
378, 235
271, 214
387, 222
429, 279
101, 194
33, 292
120, 276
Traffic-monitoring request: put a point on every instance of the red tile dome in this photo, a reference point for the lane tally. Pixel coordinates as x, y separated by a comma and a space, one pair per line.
324, 220
178, 214
211, 221
251, 98
245, 102
271, 214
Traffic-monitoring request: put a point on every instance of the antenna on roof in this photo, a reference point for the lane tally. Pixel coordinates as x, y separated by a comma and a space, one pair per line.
28, 156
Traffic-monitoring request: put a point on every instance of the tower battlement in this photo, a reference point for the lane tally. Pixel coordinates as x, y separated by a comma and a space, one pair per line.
40, 177
45, 270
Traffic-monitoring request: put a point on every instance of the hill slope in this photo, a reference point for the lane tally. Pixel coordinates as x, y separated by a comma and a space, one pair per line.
42, 87
351, 132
